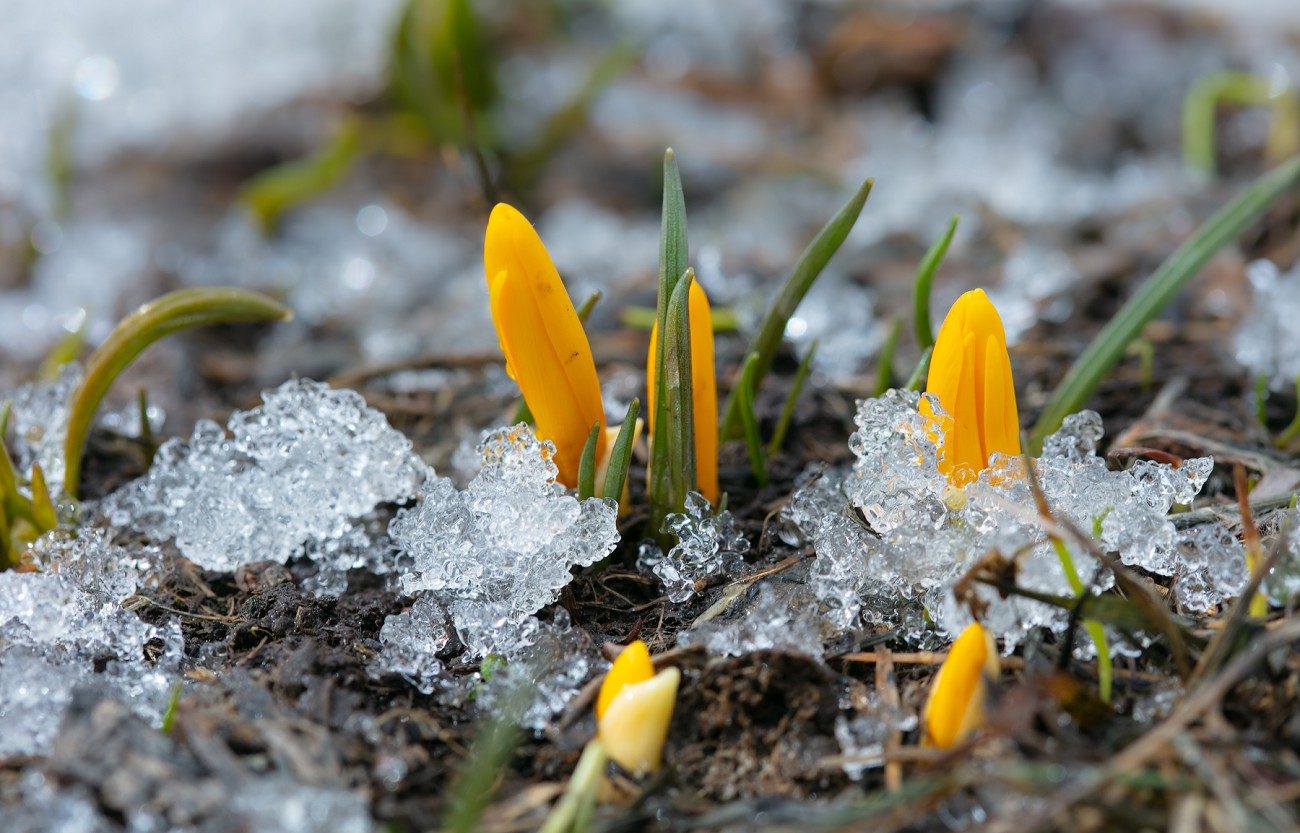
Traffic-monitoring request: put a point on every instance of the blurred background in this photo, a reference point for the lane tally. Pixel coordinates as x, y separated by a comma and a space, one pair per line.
343, 155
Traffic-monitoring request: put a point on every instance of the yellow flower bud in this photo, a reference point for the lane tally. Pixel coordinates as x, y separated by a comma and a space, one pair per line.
634, 710
970, 373
704, 391
956, 707
546, 349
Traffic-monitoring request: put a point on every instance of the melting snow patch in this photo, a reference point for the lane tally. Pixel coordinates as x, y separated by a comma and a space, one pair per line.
893, 548
782, 618
707, 545
296, 470
64, 622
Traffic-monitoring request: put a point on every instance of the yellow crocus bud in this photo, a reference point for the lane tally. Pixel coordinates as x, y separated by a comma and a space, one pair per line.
970, 373
634, 710
704, 391
546, 349
958, 695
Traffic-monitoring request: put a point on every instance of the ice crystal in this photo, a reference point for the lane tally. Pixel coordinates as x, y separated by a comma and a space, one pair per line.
909, 537
297, 469
510, 538
63, 627
1266, 342
781, 619
707, 545
411, 641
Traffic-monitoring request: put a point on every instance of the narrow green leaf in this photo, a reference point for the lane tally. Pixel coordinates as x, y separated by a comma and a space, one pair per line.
146, 427
173, 705
917, 380
587, 465
621, 457
787, 413
62, 353
523, 413
753, 442
1293, 430
1202, 101
666, 458
498, 737
924, 281
805, 273
1109, 345
672, 472
526, 165
156, 319
885, 365
43, 511
273, 191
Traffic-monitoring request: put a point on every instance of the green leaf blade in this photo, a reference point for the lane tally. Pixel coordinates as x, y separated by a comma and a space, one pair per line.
151, 322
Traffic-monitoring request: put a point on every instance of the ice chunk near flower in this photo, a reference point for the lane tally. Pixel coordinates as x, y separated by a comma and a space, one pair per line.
783, 618
907, 547
1265, 340
64, 627
411, 641
300, 467
547, 665
510, 538
707, 545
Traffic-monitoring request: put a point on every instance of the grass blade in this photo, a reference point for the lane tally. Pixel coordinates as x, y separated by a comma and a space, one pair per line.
917, 380
587, 465
156, 319
885, 366
273, 191
621, 457
787, 413
1109, 345
924, 281
805, 272
753, 442
672, 472
43, 511
494, 745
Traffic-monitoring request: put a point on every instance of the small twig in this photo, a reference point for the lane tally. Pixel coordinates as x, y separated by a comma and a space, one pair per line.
1199, 701
887, 686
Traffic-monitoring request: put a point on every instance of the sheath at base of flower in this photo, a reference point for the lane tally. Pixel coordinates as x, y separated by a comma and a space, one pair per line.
634, 709
957, 705
970, 373
546, 349
704, 391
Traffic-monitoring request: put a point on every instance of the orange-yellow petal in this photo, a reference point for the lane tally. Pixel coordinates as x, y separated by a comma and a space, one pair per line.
635, 724
631, 666
956, 706
546, 349
704, 390
970, 373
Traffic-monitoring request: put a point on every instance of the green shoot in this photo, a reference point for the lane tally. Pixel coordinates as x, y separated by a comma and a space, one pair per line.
1146, 356
805, 272
924, 281
156, 319
1293, 430
526, 165
277, 189
1109, 345
885, 365
1095, 629
587, 465
1242, 89
494, 744
621, 457
173, 705
572, 812
753, 442
917, 380
43, 511
672, 450
1261, 399
787, 413
672, 472
65, 351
